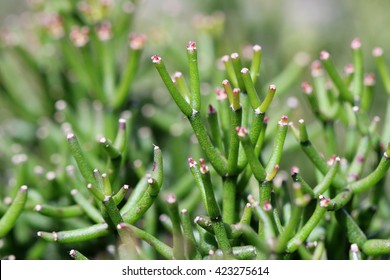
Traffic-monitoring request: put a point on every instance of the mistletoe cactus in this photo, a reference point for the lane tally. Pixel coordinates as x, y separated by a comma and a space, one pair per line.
186, 172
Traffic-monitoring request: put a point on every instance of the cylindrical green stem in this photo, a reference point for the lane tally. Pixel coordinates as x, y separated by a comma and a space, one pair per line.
256, 63
177, 97
213, 155
86, 205
354, 233
77, 235
82, 163
256, 166
339, 83
160, 247
178, 240
304, 232
77, 255
254, 99
8, 221
375, 176
192, 55
375, 247
59, 212
214, 212
190, 245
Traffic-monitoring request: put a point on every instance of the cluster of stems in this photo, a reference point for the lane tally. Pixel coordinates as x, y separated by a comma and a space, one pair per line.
235, 201
233, 140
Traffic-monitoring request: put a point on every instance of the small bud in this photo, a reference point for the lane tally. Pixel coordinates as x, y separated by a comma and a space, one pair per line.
70, 136
316, 69
177, 76
241, 131
356, 43
191, 162
377, 52
191, 46
324, 202
137, 41
294, 170
349, 69
283, 121
225, 58
156, 59
203, 167
234, 56
267, 206
324, 55
221, 93
104, 31
54, 25
212, 110
79, 36
355, 248
256, 48
244, 70
171, 198
332, 160
369, 79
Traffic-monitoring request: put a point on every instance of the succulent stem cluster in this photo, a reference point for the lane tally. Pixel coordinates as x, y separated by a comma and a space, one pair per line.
100, 186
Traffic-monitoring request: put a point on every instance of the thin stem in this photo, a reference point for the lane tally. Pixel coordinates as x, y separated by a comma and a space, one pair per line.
374, 177
277, 149
87, 207
177, 97
229, 211
192, 55
128, 77
376, 247
268, 99
237, 66
353, 231
214, 212
112, 210
76, 255
82, 163
254, 99
77, 235
236, 117
59, 212
190, 245
331, 70
217, 160
159, 246
256, 166
328, 179
181, 85
384, 71
358, 75
256, 63
230, 70
173, 211
215, 128
304, 232
120, 195
10, 217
